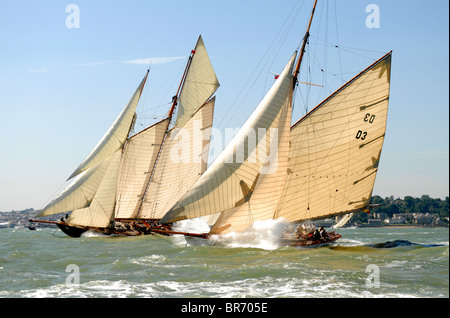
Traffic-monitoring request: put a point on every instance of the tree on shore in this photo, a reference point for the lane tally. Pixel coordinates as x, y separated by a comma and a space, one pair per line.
407, 205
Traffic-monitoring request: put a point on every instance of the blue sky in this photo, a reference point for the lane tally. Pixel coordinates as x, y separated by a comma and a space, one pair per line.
61, 88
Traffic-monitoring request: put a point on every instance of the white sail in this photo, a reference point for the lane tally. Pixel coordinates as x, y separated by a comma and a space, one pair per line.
100, 212
342, 221
229, 181
199, 85
115, 137
263, 201
136, 167
169, 177
336, 148
182, 161
80, 193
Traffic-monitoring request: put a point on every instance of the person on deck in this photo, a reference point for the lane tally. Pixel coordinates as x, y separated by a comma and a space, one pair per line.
323, 233
316, 235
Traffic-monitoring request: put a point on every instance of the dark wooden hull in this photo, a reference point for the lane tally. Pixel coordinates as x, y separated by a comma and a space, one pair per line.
72, 231
77, 231
314, 243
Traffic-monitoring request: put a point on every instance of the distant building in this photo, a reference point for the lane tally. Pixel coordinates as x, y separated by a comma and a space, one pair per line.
398, 219
424, 219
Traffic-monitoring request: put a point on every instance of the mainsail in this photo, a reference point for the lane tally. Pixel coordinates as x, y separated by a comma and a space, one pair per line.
333, 158
138, 159
336, 148
183, 160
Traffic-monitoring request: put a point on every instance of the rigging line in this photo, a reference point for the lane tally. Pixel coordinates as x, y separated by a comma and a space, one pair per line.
169, 116
254, 71
337, 38
349, 49
173, 80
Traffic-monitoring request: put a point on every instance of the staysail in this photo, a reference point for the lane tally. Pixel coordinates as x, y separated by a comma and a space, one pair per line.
261, 204
253, 152
115, 137
100, 212
97, 172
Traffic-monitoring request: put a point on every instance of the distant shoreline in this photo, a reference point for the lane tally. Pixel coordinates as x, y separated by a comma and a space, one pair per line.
401, 226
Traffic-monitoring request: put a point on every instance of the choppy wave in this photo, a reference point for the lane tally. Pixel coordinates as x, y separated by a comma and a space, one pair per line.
411, 263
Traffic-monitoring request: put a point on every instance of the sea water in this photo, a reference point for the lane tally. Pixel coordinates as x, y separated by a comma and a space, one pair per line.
365, 262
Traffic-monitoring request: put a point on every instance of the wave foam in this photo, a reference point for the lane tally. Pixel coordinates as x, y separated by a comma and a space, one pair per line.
262, 234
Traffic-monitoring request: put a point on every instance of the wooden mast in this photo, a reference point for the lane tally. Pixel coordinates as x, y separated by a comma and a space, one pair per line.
169, 116
133, 121
183, 78
305, 40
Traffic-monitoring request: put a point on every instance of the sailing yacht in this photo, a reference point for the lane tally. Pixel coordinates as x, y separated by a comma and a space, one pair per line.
323, 165
125, 185
326, 162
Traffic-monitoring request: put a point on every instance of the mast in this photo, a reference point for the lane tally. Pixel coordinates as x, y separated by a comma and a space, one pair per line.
169, 116
183, 78
133, 121
305, 40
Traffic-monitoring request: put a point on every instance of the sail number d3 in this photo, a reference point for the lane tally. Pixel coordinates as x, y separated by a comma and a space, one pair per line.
361, 134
